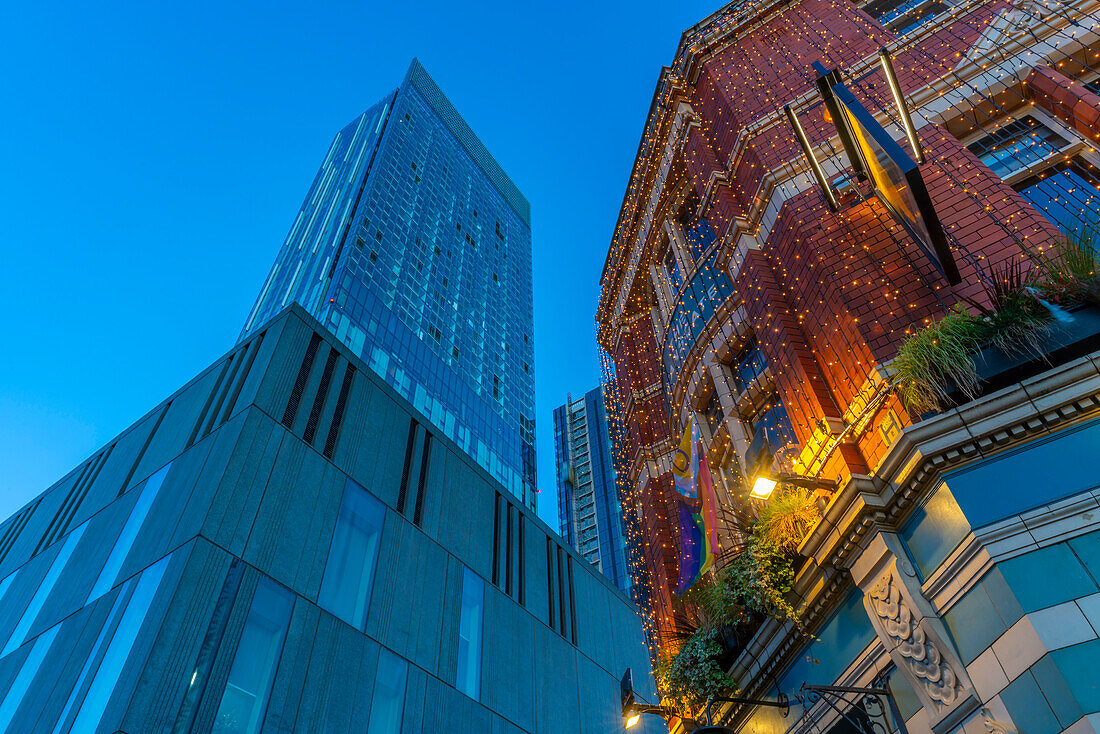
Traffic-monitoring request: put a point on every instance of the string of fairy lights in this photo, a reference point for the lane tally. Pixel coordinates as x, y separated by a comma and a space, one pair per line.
766, 69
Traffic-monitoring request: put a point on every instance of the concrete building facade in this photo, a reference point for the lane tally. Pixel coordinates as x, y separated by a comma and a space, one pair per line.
955, 561
286, 544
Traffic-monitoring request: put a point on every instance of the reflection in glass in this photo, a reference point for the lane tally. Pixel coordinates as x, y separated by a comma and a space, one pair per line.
6, 583
125, 541
388, 700
122, 642
349, 573
468, 679
44, 589
246, 692
103, 634
23, 680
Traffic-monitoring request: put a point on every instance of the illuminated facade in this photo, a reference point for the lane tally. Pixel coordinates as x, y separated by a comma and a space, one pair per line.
588, 499
735, 296
414, 247
261, 553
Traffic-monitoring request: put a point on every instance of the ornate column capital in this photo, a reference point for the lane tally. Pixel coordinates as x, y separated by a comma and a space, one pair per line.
913, 633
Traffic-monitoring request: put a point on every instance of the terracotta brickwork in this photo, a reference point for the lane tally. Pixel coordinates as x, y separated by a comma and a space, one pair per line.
1066, 99
829, 295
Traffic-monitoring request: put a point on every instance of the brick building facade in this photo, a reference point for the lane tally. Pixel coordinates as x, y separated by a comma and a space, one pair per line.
734, 295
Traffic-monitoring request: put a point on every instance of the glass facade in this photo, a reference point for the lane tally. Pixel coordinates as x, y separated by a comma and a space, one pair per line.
246, 691
349, 573
468, 678
388, 699
588, 499
414, 248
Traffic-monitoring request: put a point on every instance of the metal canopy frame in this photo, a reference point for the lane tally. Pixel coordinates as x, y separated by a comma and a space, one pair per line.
879, 696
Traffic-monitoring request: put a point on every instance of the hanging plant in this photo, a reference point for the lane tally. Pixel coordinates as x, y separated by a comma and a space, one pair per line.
788, 518
692, 676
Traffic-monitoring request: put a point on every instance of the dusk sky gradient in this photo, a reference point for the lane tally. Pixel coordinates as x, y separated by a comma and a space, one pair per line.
154, 155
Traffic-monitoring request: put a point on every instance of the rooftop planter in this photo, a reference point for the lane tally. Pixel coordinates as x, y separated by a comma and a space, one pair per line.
1044, 311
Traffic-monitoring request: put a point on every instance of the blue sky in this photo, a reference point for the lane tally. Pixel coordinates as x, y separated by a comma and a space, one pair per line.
153, 156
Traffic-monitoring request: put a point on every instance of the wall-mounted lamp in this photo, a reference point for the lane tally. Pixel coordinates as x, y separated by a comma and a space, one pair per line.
903, 109
632, 711
808, 151
766, 482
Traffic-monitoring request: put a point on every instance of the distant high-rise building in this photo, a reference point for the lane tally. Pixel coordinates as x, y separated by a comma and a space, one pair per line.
414, 247
588, 501
283, 545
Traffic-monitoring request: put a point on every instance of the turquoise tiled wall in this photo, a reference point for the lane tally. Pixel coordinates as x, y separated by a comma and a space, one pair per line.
1080, 667
1023, 478
934, 530
982, 615
1047, 576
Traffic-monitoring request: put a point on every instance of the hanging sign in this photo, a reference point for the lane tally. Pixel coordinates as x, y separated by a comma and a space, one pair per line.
894, 177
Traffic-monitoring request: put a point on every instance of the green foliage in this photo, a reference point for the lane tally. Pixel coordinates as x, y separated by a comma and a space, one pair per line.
938, 355
788, 518
715, 603
761, 577
692, 676
755, 582
1069, 268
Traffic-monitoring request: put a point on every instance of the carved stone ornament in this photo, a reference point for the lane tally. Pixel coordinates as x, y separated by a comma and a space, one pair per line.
993, 726
921, 655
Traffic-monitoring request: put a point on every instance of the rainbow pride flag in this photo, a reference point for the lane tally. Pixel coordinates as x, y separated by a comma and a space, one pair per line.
696, 503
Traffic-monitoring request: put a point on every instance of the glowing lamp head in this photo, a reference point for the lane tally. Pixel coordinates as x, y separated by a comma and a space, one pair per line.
632, 720
763, 487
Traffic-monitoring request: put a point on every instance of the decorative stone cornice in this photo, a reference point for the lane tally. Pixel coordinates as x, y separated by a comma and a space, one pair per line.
1058, 398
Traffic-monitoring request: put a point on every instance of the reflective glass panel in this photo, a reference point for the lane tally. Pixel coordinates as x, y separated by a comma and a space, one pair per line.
129, 533
23, 680
84, 672
349, 573
20, 632
388, 700
245, 698
468, 679
118, 651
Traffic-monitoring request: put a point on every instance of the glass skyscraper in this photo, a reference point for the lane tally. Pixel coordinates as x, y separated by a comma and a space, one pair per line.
414, 247
589, 511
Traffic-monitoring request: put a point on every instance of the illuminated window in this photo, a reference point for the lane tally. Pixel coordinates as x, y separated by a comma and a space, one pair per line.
1047, 166
902, 17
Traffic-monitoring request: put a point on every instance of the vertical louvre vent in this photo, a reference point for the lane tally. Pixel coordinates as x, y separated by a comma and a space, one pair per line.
227, 388
65, 514
338, 414
403, 492
559, 582
144, 448
418, 452
11, 533
321, 396
295, 400
425, 457
508, 546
